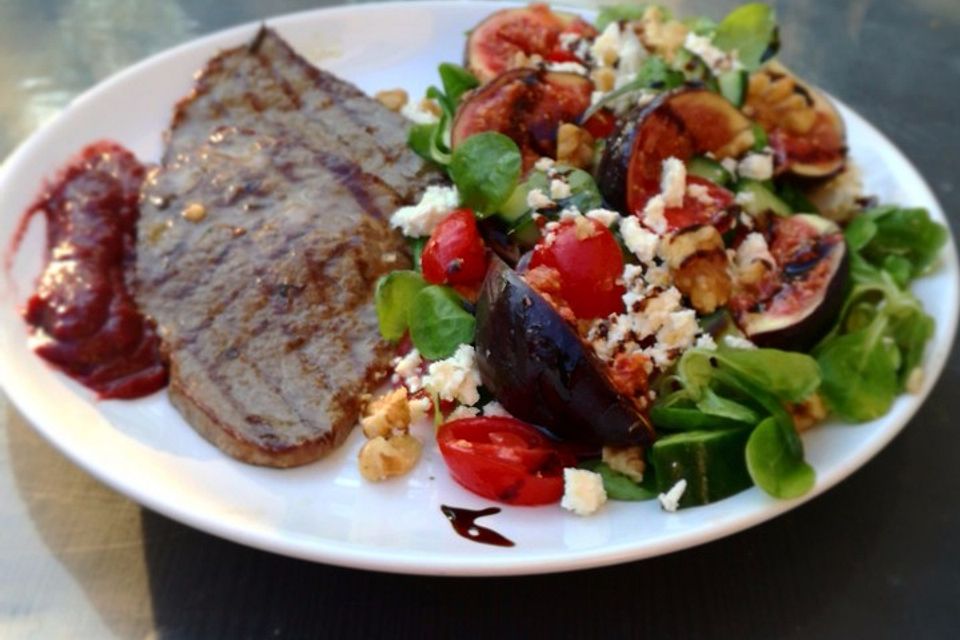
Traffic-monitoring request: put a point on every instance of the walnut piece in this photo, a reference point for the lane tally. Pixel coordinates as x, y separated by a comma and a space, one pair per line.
393, 99
699, 266
808, 413
387, 414
382, 458
574, 146
627, 460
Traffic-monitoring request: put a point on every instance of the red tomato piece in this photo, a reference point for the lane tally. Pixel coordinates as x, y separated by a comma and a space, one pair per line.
589, 263
712, 209
504, 459
455, 253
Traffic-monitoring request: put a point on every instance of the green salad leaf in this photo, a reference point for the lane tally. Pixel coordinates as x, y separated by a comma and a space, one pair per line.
902, 238
432, 141
773, 464
750, 30
438, 322
456, 81
485, 167
654, 73
393, 298
619, 486
625, 11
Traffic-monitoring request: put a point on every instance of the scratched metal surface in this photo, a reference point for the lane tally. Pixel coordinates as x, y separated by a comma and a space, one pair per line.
79, 561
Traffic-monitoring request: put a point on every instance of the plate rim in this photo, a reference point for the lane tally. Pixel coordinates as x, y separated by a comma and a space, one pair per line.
368, 557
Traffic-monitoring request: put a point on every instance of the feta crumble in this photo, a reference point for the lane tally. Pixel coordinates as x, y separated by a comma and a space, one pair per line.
583, 491
415, 112
463, 412
455, 378
494, 409
717, 59
639, 241
738, 342
567, 67
419, 407
407, 370
537, 199
756, 166
544, 164
606, 217
559, 189
705, 341
673, 182
420, 219
753, 248
653, 214
670, 500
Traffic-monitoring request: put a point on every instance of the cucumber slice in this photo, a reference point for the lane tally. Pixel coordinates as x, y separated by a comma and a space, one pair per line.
712, 462
760, 199
733, 86
685, 416
516, 205
709, 169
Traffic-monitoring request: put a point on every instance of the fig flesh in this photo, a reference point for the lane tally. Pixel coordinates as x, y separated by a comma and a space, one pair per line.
496, 43
808, 287
682, 123
527, 105
542, 372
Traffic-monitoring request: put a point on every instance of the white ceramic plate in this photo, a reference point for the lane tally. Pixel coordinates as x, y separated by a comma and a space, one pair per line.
325, 511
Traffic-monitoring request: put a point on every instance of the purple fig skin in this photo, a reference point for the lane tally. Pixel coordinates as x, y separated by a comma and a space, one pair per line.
806, 326
540, 370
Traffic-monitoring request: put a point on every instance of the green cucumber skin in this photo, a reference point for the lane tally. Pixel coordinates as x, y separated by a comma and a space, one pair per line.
712, 463
763, 199
709, 169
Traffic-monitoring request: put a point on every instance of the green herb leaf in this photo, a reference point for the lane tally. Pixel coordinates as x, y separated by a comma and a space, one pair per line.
859, 372
618, 12
788, 375
715, 405
485, 168
456, 82
676, 412
416, 251
751, 31
393, 297
439, 323
773, 466
620, 487
859, 232
907, 233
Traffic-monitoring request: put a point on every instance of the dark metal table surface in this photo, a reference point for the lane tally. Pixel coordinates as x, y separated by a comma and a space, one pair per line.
877, 556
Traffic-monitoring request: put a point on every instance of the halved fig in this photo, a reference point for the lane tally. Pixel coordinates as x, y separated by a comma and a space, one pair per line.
495, 44
681, 123
528, 105
804, 128
542, 372
800, 300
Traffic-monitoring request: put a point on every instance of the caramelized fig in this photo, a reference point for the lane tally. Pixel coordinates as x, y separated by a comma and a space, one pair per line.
496, 43
808, 286
681, 123
540, 370
528, 105
804, 128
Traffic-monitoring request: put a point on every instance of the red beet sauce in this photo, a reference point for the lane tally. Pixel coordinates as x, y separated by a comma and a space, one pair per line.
84, 318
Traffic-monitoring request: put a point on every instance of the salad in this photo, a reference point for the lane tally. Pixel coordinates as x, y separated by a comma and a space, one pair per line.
652, 268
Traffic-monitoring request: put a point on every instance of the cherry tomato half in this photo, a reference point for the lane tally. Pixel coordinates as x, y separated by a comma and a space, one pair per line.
710, 209
504, 459
455, 253
589, 261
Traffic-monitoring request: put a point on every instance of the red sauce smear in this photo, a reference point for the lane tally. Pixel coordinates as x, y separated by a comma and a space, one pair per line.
84, 318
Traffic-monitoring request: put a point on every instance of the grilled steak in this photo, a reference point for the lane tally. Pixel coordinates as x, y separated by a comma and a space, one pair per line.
260, 239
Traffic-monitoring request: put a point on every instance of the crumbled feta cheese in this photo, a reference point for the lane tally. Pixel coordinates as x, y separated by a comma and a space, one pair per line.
583, 491
606, 47
738, 342
746, 220
653, 214
584, 228
700, 193
544, 164
537, 199
730, 164
670, 500
570, 213
421, 219
646, 97
415, 112
463, 412
678, 332
419, 407
673, 182
756, 166
407, 370
606, 217
455, 378
753, 248
744, 198
658, 275
706, 341
630, 56
639, 241
567, 67
495, 409
559, 189
715, 58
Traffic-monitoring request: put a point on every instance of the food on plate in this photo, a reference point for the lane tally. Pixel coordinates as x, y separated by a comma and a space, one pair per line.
665, 307
265, 302
83, 316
